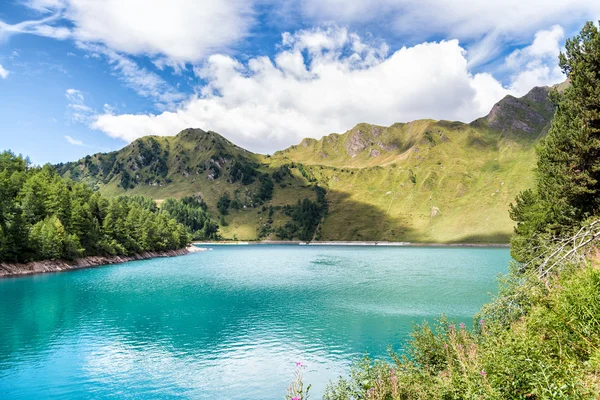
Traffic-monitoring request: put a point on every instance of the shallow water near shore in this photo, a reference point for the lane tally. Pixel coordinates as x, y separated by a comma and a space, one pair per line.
228, 323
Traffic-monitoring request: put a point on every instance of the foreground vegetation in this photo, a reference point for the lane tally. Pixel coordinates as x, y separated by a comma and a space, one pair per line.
46, 217
540, 337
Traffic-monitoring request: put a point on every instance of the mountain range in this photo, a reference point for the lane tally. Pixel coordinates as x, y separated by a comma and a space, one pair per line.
422, 181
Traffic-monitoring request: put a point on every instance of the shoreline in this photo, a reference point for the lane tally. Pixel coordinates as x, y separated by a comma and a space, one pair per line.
8, 270
347, 243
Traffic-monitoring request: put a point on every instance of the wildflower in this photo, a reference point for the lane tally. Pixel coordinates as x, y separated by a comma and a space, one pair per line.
482, 373
296, 398
452, 327
462, 325
298, 364
481, 322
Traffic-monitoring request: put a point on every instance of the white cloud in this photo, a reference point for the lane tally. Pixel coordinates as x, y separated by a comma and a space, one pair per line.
143, 82
74, 142
327, 80
44, 5
461, 18
486, 25
77, 110
181, 30
3, 72
41, 27
537, 64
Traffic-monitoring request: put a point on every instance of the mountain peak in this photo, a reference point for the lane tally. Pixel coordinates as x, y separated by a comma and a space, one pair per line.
526, 117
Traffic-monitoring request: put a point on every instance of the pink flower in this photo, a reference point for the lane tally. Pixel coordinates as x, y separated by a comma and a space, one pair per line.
298, 364
482, 373
462, 325
295, 398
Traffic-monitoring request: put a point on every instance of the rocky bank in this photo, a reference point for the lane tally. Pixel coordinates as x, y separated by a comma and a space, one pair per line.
41, 267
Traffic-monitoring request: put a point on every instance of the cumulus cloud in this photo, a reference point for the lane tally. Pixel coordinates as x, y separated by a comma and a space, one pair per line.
181, 30
74, 142
537, 64
485, 25
3, 72
327, 80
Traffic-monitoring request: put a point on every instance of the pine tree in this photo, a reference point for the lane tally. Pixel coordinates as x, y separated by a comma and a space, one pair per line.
567, 187
43, 216
48, 238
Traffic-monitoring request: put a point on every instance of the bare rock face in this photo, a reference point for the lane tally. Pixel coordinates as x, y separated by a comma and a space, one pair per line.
527, 116
307, 142
356, 143
376, 131
503, 116
387, 146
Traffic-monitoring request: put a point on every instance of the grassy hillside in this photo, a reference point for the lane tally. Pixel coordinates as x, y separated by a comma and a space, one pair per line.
428, 181
202, 164
423, 181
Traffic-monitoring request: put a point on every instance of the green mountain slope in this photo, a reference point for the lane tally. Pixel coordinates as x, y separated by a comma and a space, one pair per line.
423, 181
431, 181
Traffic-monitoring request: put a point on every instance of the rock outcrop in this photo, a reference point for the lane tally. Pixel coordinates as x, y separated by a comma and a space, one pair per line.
528, 116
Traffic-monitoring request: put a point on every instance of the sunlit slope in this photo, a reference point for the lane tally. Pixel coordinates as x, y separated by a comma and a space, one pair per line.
428, 181
422, 181
457, 192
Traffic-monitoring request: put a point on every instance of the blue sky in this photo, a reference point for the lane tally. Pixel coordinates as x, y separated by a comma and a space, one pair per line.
83, 76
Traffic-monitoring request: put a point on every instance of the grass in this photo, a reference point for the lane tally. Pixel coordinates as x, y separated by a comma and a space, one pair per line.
389, 197
550, 350
471, 186
424, 181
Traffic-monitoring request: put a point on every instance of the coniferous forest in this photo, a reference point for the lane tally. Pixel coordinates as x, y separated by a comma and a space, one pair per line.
45, 217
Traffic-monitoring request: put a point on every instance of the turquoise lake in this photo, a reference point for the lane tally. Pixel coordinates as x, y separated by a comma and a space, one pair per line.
228, 323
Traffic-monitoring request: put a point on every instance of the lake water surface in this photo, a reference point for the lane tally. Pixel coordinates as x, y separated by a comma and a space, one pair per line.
228, 323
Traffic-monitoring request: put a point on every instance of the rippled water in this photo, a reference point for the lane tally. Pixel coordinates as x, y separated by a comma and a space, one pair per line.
228, 323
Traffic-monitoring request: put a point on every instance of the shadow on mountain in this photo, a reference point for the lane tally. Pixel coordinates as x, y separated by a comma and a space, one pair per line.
352, 220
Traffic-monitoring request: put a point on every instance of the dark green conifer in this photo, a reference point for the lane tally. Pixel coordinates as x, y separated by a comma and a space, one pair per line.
567, 186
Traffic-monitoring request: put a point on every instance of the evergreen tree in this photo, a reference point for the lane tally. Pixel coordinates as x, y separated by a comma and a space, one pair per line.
567, 189
192, 213
224, 203
43, 216
48, 238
